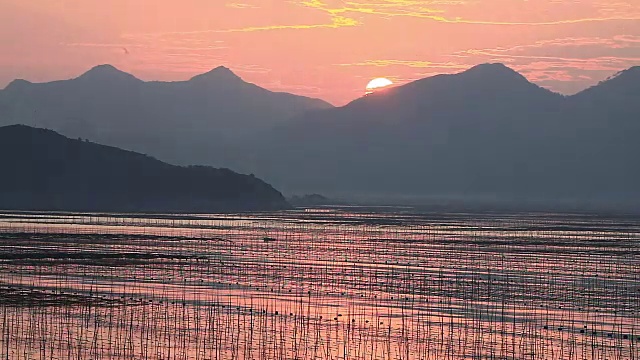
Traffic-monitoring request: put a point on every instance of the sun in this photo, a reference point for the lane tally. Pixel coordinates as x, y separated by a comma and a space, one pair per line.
377, 84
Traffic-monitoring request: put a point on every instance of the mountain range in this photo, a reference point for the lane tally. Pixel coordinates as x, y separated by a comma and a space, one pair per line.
181, 122
43, 170
485, 133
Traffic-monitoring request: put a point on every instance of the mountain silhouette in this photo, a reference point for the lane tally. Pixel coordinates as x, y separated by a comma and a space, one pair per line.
617, 96
480, 85
221, 73
486, 132
621, 85
106, 74
467, 97
43, 170
181, 122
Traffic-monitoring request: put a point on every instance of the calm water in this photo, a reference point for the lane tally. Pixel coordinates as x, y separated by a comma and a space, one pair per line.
319, 284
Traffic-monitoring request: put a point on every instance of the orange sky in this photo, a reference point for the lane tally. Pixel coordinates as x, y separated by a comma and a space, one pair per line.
322, 48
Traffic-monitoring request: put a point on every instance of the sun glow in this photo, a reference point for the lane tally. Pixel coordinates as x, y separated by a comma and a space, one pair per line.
377, 84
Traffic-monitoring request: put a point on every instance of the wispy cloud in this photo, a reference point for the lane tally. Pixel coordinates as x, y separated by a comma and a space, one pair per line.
250, 68
278, 85
409, 63
573, 52
339, 22
440, 11
615, 42
343, 14
242, 6
564, 64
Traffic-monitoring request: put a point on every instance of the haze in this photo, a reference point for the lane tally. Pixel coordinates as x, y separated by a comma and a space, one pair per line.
327, 49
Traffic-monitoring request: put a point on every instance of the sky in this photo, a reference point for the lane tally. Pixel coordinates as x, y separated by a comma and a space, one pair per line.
328, 49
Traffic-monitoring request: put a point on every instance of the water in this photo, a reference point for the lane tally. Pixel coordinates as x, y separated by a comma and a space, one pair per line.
319, 284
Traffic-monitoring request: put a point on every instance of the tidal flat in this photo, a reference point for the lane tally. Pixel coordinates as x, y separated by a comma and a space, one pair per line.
325, 283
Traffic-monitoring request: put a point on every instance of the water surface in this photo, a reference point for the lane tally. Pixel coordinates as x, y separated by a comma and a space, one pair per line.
326, 284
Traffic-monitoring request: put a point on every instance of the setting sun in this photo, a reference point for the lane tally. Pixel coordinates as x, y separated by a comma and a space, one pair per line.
377, 84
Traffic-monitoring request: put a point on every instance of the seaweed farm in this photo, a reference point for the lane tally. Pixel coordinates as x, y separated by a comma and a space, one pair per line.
328, 283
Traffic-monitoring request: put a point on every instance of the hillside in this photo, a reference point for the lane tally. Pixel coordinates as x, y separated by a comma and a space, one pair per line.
43, 170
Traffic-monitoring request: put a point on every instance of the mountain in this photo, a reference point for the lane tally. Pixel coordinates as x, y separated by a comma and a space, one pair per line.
605, 132
43, 170
619, 88
485, 133
183, 122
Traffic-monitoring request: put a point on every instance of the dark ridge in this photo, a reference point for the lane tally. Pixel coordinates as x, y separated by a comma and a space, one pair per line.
630, 73
52, 172
623, 83
181, 122
106, 72
493, 69
17, 84
221, 73
483, 137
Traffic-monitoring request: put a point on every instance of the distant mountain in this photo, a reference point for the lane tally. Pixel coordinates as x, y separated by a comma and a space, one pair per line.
618, 88
605, 127
615, 98
484, 133
184, 122
43, 170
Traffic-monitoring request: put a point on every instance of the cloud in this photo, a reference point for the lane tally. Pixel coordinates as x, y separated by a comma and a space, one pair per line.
242, 6
338, 22
352, 13
615, 42
250, 68
278, 85
438, 10
567, 64
409, 63
586, 53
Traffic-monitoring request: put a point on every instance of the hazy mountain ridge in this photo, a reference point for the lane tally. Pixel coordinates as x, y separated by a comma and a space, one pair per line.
485, 132
47, 171
210, 111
